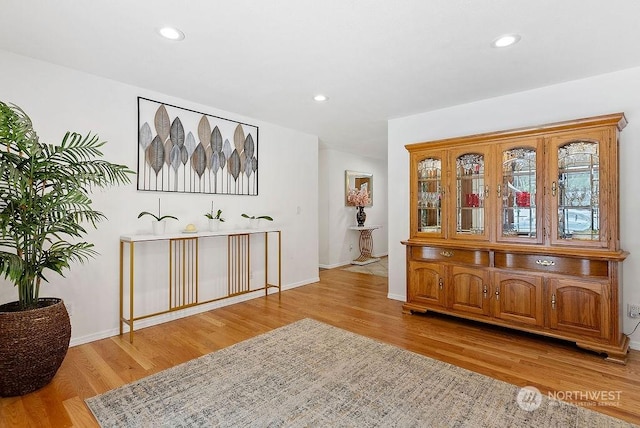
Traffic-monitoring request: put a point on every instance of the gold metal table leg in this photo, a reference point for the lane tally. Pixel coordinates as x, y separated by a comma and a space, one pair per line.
121, 285
131, 264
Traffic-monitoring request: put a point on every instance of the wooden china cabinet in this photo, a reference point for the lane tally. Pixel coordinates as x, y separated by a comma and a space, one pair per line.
520, 229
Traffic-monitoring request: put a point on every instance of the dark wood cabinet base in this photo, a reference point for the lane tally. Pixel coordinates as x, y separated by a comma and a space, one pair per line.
615, 353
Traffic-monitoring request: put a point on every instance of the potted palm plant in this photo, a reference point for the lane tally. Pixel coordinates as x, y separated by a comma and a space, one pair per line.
44, 209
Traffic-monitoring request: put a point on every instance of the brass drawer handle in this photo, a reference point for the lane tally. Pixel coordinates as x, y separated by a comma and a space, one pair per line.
545, 262
446, 253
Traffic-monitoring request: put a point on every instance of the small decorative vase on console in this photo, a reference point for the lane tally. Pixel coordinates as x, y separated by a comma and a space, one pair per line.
158, 227
361, 216
214, 224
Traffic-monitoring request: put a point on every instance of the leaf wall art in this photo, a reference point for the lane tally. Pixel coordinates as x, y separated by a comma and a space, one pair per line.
182, 150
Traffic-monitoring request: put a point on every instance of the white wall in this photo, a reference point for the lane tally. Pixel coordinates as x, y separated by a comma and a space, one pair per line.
338, 244
59, 99
609, 93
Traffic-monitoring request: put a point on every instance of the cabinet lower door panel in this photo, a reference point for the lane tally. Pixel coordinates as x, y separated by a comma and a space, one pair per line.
580, 307
470, 290
427, 284
518, 298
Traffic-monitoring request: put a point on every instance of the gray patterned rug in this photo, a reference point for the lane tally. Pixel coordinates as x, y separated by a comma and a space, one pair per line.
309, 374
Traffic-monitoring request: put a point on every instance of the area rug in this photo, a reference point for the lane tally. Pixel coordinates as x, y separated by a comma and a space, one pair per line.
379, 268
309, 374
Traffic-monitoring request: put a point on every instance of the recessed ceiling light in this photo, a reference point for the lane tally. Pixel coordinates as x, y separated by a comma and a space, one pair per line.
321, 97
505, 40
171, 33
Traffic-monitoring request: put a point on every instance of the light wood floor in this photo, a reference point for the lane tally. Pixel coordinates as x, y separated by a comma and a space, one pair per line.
352, 301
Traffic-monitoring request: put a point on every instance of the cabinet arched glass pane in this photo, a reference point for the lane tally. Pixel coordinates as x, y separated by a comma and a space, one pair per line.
470, 193
517, 192
579, 191
430, 195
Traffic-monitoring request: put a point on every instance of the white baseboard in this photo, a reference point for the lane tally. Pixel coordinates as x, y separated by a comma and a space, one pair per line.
332, 266
148, 322
396, 297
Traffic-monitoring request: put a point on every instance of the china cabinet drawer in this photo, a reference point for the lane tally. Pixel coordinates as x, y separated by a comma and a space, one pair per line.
472, 257
552, 264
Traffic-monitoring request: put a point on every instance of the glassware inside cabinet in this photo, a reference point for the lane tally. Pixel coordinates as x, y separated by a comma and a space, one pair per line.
430, 195
517, 192
471, 192
579, 191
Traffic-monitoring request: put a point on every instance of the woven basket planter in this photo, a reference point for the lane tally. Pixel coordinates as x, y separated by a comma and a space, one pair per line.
33, 344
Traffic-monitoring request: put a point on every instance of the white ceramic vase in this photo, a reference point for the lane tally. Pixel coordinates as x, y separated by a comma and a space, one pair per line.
158, 227
214, 224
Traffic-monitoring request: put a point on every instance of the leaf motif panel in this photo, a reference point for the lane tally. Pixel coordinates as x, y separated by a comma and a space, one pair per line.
155, 154
181, 150
208, 152
216, 140
234, 165
249, 146
162, 122
215, 162
168, 148
145, 136
204, 131
176, 132
199, 160
238, 138
226, 149
249, 149
175, 158
190, 143
184, 155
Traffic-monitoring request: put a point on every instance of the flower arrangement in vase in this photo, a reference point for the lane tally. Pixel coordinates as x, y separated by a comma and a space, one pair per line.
359, 198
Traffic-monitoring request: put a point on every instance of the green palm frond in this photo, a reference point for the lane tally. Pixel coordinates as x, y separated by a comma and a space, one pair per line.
44, 200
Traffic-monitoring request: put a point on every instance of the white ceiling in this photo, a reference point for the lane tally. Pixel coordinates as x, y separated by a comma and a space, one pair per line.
375, 59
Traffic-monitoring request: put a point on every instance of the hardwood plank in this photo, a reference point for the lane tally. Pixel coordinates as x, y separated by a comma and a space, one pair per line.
80, 414
352, 301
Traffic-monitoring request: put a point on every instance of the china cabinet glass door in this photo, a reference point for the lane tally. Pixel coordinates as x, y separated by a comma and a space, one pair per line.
578, 201
578, 191
471, 195
430, 192
517, 194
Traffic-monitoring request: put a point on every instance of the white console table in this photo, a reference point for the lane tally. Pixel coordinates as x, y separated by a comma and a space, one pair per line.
183, 269
366, 244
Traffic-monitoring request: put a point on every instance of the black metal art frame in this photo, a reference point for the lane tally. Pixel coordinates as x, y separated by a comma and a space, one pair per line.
183, 150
